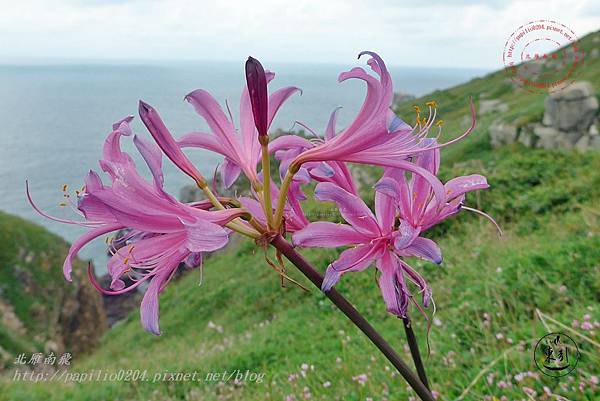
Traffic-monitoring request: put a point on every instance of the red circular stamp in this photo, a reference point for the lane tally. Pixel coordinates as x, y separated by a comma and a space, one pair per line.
543, 56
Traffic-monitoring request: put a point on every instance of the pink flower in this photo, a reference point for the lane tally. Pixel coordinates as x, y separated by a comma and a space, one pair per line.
377, 136
288, 147
415, 198
375, 239
163, 232
241, 152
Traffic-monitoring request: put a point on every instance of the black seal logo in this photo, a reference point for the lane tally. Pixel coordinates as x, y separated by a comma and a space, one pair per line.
556, 354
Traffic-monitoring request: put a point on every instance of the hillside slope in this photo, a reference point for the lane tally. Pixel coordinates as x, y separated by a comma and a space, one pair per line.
487, 292
39, 310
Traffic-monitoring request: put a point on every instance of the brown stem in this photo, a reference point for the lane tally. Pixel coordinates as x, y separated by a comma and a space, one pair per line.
350, 311
414, 351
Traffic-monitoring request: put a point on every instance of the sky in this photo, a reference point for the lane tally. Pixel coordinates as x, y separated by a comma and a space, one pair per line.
434, 33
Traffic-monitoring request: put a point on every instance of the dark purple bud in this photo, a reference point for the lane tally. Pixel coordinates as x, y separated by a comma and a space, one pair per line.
257, 89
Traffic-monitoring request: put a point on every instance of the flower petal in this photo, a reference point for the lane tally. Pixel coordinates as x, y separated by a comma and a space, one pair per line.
203, 236
167, 143
461, 185
392, 285
424, 248
230, 172
277, 98
149, 305
153, 157
328, 235
351, 260
351, 207
82, 241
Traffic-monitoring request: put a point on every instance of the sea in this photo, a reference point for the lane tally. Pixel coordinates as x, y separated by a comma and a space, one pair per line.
55, 116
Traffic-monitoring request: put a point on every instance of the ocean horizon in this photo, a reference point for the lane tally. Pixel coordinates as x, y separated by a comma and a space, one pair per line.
56, 115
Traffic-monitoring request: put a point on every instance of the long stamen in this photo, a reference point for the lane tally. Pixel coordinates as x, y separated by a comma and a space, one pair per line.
487, 216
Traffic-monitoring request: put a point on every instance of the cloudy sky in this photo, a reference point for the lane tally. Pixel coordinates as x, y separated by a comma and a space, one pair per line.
453, 33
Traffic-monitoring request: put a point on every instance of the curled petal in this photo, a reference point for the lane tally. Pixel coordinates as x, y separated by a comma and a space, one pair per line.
82, 241
461, 185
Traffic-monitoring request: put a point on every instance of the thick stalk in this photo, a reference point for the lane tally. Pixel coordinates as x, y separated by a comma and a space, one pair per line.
266, 170
414, 351
285, 186
346, 307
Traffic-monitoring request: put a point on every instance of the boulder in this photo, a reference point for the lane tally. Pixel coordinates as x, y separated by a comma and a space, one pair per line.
573, 108
547, 137
502, 133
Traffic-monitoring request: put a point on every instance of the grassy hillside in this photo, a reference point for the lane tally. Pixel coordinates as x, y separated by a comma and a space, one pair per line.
39, 310
487, 292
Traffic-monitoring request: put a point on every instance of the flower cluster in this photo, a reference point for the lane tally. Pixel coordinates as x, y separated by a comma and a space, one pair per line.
158, 232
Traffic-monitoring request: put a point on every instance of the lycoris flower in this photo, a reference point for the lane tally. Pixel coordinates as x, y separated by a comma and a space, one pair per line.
377, 136
242, 152
168, 231
414, 197
374, 238
288, 147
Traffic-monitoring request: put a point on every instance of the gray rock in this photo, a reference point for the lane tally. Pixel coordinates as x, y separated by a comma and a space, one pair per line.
502, 133
583, 143
594, 142
527, 137
547, 137
573, 108
593, 131
486, 106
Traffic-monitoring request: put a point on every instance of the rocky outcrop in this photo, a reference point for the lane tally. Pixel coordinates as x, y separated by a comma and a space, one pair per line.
570, 121
117, 307
39, 310
502, 133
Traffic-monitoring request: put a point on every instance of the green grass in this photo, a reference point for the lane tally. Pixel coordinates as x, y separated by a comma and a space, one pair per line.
487, 291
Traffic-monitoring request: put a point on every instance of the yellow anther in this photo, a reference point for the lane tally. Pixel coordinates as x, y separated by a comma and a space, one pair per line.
417, 109
82, 189
432, 103
439, 123
65, 186
126, 261
131, 248
62, 204
77, 192
67, 195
